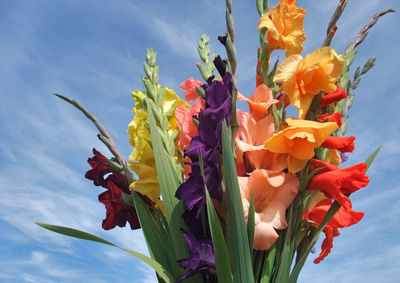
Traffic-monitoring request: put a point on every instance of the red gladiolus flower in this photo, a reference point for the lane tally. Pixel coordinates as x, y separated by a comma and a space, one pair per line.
333, 97
118, 212
342, 218
343, 144
335, 117
337, 183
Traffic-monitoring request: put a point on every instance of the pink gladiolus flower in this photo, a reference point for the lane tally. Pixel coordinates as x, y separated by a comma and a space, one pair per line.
273, 192
189, 87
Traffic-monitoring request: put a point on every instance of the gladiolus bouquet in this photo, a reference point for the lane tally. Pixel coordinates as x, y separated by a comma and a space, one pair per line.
225, 195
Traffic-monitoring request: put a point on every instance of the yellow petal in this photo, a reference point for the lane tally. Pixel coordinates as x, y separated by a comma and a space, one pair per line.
295, 165
266, 22
288, 68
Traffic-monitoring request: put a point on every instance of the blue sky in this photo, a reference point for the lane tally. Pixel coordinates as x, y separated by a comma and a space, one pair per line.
92, 51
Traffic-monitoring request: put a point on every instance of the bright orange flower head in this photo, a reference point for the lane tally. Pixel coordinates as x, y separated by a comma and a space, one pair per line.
285, 27
259, 102
299, 140
302, 79
273, 192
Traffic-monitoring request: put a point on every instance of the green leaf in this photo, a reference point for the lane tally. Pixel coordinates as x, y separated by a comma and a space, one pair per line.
242, 267
222, 260
250, 222
372, 157
169, 182
156, 237
328, 216
268, 265
162, 272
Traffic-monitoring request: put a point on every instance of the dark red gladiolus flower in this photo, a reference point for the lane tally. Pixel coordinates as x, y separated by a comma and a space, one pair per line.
335, 117
338, 183
343, 144
333, 97
342, 218
118, 212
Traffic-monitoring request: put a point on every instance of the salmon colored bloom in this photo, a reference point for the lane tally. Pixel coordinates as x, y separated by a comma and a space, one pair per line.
189, 87
343, 144
285, 27
251, 138
342, 218
184, 120
260, 101
299, 140
302, 79
338, 183
273, 192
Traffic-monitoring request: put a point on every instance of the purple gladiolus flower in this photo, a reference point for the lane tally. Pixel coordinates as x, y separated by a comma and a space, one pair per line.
218, 108
218, 98
201, 260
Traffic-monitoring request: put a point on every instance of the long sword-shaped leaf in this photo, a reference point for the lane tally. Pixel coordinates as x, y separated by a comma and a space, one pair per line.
241, 260
222, 261
162, 272
169, 182
156, 238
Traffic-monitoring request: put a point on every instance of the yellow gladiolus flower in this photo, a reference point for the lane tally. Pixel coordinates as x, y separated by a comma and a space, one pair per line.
302, 79
299, 140
142, 160
285, 27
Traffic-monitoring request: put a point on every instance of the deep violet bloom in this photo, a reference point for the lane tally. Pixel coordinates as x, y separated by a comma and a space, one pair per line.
201, 258
118, 212
218, 100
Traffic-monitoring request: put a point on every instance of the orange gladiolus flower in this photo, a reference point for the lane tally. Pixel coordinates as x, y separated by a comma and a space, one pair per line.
302, 79
260, 101
299, 140
285, 27
342, 218
273, 192
337, 183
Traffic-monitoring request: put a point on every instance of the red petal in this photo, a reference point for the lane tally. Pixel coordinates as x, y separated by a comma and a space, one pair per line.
333, 97
327, 244
343, 144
